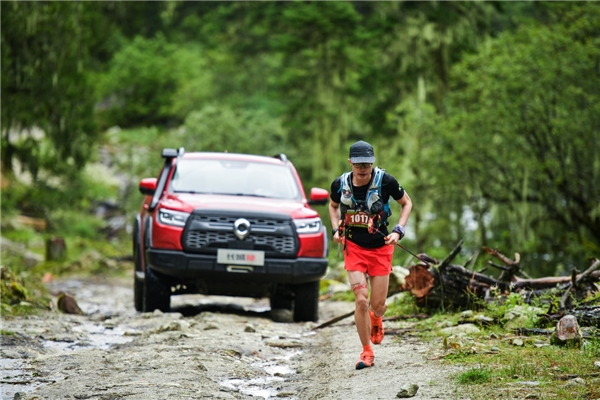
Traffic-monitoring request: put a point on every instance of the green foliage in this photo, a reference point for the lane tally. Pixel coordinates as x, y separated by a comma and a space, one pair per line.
510, 366
512, 144
318, 42
485, 112
152, 81
347, 296
47, 52
75, 223
403, 304
24, 236
475, 376
11, 198
490, 362
21, 291
591, 348
79, 195
195, 87
220, 128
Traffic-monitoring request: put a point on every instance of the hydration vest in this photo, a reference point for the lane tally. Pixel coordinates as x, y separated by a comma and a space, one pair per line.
372, 205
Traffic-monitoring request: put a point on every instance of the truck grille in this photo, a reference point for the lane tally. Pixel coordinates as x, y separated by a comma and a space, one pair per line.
205, 233
217, 220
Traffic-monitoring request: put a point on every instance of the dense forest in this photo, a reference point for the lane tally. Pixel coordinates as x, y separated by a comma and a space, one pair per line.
488, 113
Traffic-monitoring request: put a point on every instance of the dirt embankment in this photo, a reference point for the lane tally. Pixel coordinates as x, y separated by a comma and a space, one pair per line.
207, 348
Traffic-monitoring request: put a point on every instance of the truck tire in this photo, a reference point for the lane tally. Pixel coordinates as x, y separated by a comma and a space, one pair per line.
157, 294
306, 304
138, 284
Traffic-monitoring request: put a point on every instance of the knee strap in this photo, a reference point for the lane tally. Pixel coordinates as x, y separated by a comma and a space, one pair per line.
359, 286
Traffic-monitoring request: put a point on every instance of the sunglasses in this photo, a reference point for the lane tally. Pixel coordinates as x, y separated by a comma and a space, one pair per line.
362, 165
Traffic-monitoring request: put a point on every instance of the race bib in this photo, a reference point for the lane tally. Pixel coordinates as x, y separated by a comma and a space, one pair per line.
357, 219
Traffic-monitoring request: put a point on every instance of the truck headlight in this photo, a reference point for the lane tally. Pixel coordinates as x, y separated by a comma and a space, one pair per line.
174, 218
309, 225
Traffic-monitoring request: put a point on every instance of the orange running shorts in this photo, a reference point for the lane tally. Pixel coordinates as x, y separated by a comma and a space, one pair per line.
375, 262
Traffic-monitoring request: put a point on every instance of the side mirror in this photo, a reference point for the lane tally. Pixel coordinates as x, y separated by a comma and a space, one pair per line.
318, 196
148, 186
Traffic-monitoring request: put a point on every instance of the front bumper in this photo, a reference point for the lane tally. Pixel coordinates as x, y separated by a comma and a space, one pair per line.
184, 266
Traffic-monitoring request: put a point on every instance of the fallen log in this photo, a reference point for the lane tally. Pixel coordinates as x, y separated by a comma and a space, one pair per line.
585, 315
549, 282
449, 286
452, 287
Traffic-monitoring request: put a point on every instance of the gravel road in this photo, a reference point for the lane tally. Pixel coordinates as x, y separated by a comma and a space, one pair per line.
206, 348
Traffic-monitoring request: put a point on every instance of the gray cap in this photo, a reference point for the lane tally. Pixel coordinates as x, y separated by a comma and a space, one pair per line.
362, 152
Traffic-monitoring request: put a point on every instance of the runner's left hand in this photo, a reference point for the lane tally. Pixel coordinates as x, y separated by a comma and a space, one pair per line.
392, 238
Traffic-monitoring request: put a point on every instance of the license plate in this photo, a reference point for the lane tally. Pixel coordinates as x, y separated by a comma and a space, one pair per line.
240, 257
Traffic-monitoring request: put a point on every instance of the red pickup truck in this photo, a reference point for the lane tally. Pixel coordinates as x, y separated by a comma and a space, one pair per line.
229, 224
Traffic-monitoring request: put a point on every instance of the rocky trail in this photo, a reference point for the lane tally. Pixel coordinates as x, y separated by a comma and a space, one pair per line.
206, 348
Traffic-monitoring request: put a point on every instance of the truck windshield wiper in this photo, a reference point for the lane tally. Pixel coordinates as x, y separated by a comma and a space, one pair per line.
221, 193
189, 191
242, 194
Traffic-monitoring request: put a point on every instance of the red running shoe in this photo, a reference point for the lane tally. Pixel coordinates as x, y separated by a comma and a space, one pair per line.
367, 359
377, 331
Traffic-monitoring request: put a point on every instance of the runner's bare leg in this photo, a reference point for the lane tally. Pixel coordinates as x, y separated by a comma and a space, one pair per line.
379, 291
358, 282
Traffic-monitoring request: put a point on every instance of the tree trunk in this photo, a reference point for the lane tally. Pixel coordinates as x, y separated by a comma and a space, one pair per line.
56, 249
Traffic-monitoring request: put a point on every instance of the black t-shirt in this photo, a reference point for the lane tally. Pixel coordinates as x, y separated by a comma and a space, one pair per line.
361, 236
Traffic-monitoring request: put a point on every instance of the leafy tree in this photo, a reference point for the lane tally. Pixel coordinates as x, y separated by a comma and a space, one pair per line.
319, 47
415, 43
145, 79
521, 136
45, 83
221, 128
405, 80
335, 71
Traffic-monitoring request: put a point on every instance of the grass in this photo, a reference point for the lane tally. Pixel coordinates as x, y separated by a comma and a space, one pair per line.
475, 375
544, 372
494, 364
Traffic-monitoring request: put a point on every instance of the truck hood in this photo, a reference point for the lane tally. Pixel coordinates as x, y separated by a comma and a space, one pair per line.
188, 202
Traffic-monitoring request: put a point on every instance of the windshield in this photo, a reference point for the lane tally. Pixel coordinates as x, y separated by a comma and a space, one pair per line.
237, 178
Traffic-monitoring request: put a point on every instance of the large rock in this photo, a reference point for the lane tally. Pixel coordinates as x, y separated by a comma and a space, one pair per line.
409, 390
567, 333
67, 304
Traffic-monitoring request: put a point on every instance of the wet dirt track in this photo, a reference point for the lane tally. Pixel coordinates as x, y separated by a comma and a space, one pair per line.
206, 348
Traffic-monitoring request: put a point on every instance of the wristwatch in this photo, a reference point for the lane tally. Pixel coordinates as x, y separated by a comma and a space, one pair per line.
333, 231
